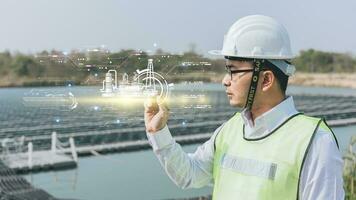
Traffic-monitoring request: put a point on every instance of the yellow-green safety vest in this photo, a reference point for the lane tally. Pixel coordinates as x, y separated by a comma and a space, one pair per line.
263, 168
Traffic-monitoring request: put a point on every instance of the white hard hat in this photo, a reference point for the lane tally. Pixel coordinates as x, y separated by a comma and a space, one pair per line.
260, 37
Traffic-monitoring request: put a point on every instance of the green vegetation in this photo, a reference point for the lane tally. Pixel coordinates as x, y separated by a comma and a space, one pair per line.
319, 61
57, 68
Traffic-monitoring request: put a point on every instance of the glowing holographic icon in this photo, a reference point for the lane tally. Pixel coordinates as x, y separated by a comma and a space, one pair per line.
154, 83
50, 99
109, 84
146, 83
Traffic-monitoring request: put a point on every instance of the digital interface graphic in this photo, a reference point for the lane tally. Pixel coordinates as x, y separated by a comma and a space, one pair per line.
145, 83
50, 99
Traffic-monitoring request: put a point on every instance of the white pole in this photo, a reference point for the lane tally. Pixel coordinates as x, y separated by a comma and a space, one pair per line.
103, 89
54, 142
72, 147
30, 150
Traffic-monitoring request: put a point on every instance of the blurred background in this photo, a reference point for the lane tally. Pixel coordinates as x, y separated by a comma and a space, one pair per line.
74, 75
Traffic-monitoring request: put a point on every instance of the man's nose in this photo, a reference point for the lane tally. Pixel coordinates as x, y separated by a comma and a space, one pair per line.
226, 81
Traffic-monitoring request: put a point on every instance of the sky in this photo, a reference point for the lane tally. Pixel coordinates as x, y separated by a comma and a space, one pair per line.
30, 26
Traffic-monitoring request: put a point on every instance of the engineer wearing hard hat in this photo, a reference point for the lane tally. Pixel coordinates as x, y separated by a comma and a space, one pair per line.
269, 150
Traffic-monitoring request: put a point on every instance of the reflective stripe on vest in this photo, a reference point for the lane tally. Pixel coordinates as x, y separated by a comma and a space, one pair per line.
265, 168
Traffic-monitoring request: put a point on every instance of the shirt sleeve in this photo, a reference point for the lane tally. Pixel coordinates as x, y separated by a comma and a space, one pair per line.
321, 176
192, 170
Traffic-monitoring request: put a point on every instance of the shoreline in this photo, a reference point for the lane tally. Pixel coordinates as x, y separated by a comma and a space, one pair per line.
337, 80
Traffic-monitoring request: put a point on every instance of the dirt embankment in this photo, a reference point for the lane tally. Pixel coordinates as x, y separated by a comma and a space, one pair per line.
324, 80
314, 79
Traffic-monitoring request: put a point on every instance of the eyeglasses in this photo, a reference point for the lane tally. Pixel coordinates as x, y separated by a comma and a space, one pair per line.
231, 72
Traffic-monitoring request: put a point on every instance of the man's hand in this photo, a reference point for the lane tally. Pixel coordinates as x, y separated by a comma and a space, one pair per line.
156, 114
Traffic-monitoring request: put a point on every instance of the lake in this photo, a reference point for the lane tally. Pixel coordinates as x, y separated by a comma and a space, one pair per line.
130, 175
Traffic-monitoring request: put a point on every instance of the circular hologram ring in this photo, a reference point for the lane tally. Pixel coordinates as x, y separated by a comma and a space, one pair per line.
151, 89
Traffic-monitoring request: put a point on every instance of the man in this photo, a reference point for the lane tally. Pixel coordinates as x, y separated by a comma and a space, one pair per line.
269, 150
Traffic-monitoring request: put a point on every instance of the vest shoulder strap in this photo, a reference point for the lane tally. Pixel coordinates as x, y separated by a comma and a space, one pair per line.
235, 115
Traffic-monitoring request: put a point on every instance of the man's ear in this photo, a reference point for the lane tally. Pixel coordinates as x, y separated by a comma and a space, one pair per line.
268, 80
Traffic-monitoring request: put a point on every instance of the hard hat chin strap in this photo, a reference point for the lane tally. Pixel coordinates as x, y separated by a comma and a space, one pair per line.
257, 66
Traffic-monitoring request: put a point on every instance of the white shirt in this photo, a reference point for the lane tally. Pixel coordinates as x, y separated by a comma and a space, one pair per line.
321, 176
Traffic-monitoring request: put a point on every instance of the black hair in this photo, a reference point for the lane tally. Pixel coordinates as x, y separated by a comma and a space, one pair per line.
282, 78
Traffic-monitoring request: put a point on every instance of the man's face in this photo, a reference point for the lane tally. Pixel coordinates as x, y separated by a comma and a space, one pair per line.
237, 87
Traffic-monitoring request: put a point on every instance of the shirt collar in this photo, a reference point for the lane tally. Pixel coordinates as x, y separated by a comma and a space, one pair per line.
269, 120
